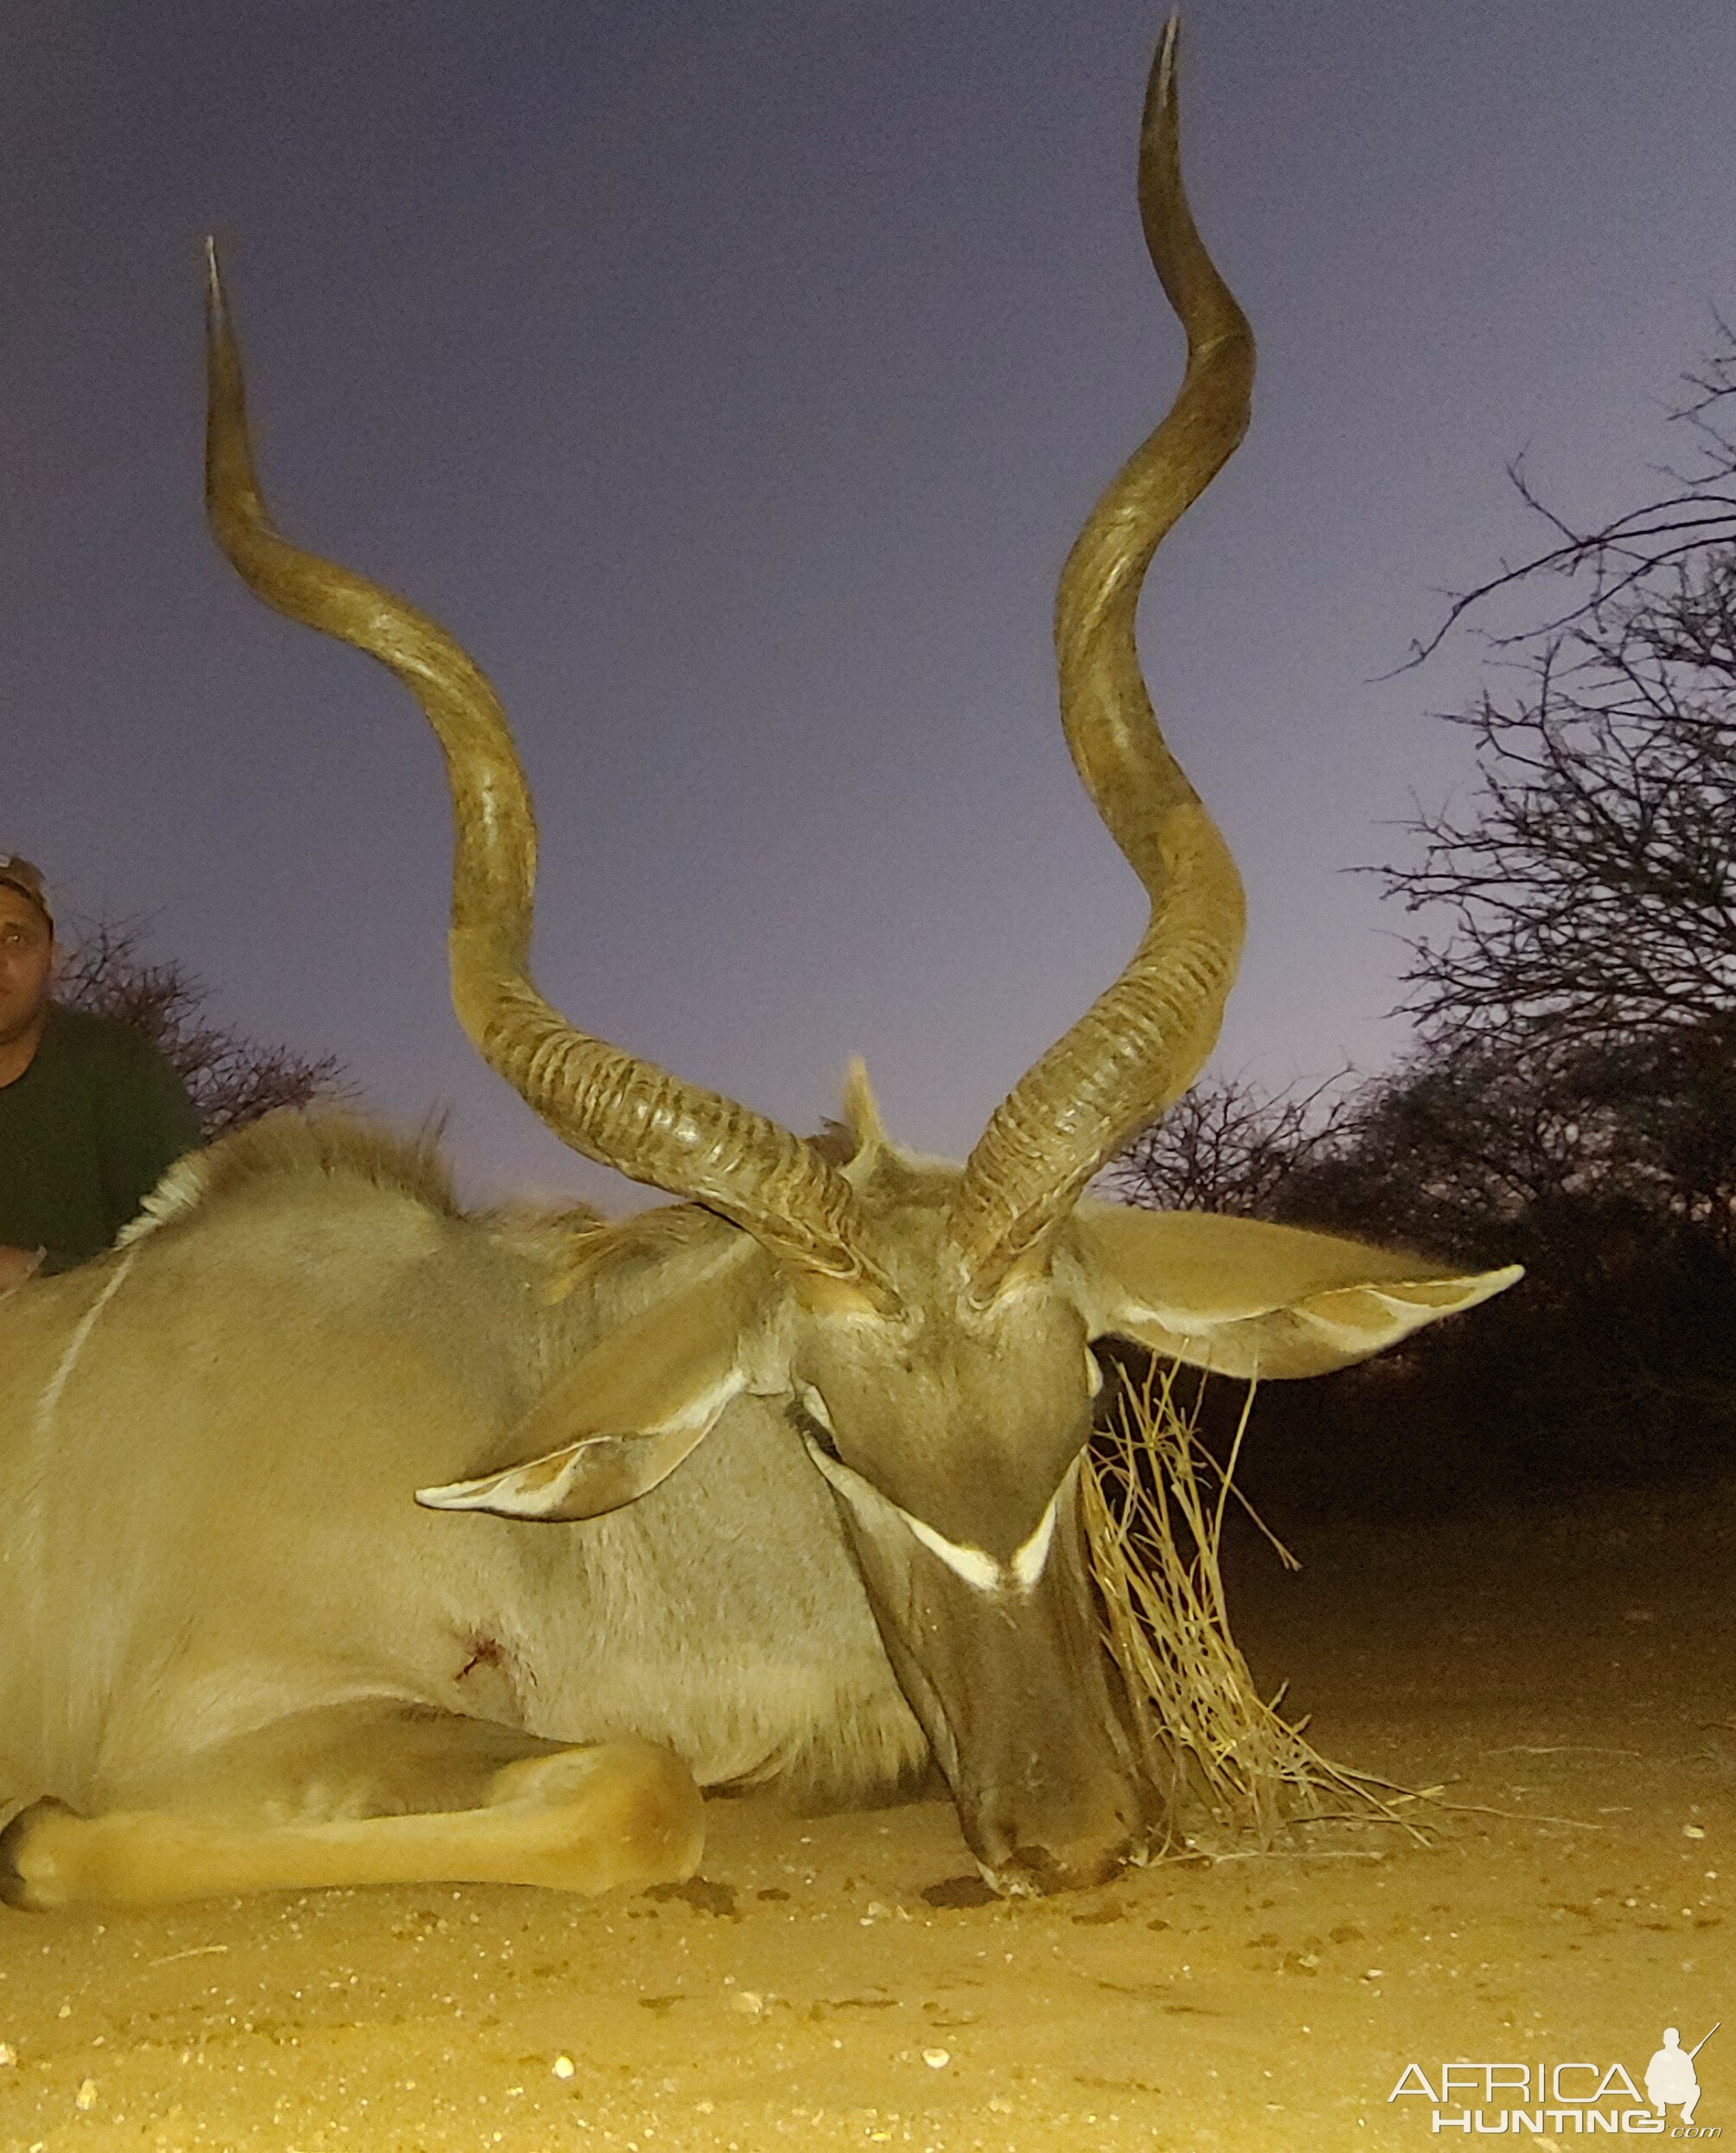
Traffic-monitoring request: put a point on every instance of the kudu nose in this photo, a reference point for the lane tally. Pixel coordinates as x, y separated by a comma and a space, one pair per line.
1086, 1844
1038, 1871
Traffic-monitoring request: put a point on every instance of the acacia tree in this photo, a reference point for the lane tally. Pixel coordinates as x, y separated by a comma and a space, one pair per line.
1577, 1003
232, 1080
1585, 977
1589, 889
1571, 1100
1568, 1157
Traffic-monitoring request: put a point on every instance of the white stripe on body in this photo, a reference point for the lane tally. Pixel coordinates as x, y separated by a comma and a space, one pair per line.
49, 1403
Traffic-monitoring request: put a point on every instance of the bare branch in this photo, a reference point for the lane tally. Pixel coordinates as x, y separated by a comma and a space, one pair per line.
1229, 1146
1590, 886
1607, 562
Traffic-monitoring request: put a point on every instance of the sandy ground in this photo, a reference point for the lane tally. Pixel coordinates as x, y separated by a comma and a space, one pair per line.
1571, 1679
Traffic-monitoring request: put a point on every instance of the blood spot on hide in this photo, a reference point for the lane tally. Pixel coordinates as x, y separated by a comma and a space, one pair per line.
489, 1678
485, 1651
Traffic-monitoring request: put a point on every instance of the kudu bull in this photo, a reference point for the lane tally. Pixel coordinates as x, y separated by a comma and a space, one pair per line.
781, 1483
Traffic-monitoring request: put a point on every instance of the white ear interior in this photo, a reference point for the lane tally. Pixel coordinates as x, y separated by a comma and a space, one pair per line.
601, 1474
1243, 1298
624, 1415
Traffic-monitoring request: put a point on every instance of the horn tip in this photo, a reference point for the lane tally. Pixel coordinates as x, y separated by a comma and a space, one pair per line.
216, 301
1168, 53
1159, 122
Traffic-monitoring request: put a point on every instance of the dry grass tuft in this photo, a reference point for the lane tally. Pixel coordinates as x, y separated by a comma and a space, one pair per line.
1155, 1499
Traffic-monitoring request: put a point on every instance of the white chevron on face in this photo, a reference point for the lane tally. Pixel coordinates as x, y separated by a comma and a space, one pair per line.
983, 1572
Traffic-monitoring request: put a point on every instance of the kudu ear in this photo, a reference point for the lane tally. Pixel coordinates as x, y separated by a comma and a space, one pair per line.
626, 1413
1242, 1298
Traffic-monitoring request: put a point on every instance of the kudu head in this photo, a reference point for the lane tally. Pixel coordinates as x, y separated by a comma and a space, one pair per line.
927, 1328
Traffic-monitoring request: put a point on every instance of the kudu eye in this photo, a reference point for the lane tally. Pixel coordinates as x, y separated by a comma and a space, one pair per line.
815, 1421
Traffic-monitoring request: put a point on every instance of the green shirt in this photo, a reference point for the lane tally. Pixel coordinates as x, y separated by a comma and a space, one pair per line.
85, 1133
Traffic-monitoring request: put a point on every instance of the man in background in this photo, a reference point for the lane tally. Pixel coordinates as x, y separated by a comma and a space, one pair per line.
91, 1114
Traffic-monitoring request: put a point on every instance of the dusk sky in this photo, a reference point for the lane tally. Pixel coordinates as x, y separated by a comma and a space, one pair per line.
731, 378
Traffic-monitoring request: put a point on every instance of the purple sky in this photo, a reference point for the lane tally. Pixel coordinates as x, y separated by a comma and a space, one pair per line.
731, 378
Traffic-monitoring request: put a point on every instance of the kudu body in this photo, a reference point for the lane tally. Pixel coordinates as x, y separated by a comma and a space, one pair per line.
779, 1483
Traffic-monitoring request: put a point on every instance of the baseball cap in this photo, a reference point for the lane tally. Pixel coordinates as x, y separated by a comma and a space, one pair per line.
22, 875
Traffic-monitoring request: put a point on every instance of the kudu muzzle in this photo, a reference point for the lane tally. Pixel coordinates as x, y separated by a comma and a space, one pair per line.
1024, 1709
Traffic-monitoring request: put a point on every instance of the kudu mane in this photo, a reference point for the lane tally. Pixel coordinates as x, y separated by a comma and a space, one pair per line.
321, 1144
297, 1150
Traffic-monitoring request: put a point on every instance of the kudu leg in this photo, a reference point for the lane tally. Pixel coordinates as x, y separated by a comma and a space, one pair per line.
582, 1820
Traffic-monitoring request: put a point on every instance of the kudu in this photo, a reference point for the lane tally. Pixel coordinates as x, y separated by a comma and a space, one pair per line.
781, 1483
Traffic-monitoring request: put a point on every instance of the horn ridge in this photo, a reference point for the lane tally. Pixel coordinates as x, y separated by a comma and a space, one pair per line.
623, 1112
1142, 1040
654, 1126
